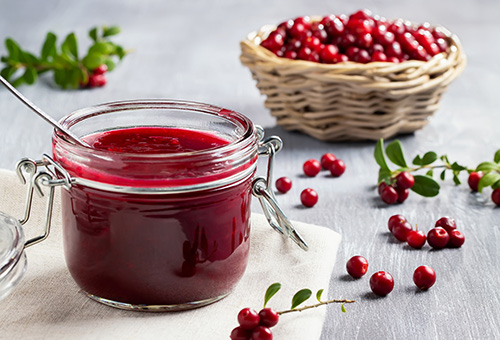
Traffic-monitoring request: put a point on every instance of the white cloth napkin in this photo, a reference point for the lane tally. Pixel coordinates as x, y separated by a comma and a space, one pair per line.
47, 304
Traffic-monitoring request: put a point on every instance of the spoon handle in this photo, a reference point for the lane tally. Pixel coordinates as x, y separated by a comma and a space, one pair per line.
42, 114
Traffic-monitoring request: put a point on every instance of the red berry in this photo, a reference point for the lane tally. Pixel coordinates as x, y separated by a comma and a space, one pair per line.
309, 197
446, 223
402, 194
381, 187
362, 14
351, 52
283, 184
290, 55
328, 53
298, 30
262, 333
248, 318
97, 80
268, 317
101, 69
381, 283
473, 180
357, 266
394, 50
405, 180
395, 220
318, 31
389, 195
442, 44
424, 277
313, 43
311, 167
340, 58
333, 25
365, 40
495, 196
438, 238
305, 53
240, 334
457, 239
379, 56
401, 231
416, 239
337, 168
326, 160
397, 27
362, 57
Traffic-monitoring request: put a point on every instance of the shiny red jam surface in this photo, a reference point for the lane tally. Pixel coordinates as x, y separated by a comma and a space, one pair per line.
155, 249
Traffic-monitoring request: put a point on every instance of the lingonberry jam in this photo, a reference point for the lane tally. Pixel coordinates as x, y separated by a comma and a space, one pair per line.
159, 217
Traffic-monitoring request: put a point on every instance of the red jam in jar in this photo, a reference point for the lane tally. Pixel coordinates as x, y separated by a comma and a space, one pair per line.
157, 217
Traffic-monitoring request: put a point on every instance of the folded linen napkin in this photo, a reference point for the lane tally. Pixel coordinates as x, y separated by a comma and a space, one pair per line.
48, 304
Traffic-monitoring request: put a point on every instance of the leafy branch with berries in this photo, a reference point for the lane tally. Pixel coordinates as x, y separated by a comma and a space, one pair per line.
70, 71
394, 185
256, 326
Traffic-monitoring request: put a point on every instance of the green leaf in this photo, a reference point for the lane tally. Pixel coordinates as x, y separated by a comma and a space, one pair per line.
120, 52
496, 158
101, 47
13, 49
300, 296
394, 152
271, 291
318, 295
456, 180
444, 158
343, 308
70, 47
384, 175
30, 76
457, 167
93, 34
417, 160
110, 64
443, 174
92, 61
18, 82
495, 185
487, 180
429, 158
108, 31
60, 78
28, 58
430, 173
379, 155
425, 186
49, 48
488, 166
7, 72
75, 78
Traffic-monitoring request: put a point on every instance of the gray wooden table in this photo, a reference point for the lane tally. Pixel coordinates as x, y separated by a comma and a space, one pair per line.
189, 50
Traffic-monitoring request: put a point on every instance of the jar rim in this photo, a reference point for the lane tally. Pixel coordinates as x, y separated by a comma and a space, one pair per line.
79, 115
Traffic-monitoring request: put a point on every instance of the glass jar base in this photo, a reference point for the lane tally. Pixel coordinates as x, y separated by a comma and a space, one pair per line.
156, 308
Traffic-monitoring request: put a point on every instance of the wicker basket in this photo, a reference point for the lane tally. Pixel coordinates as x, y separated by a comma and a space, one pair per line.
351, 101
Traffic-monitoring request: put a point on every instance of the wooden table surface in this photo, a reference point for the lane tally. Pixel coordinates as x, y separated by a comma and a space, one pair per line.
189, 50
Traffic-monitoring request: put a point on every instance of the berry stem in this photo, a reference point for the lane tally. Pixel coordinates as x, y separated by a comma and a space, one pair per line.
316, 305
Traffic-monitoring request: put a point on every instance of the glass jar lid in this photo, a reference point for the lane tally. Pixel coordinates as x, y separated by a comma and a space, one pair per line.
12, 256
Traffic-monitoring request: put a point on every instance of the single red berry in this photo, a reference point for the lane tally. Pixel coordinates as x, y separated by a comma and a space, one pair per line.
457, 239
416, 239
351, 51
318, 31
402, 194
326, 160
311, 167
389, 195
379, 56
495, 196
424, 277
313, 43
290, 55
405, 180
328, 53
283, 184
394, 50
381, 187
357, 266
446, 223
262, 333
333, 25
442, 44
364, 40
309, 197
438, 238
97, 80
395, 220
268, 317
397, 27
473, 180
248, 318
101, 69
240, 334
337, 168
340, 58
362, 57
401, 230
285, 26
381, 283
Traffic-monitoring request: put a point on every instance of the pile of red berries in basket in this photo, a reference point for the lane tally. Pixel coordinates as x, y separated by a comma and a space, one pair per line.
360, 37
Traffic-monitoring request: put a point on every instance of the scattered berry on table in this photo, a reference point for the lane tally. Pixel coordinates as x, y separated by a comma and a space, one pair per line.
268, 317
357, 266
401, 231
457, 239
395, 219
416, 239
446, 223
424, 277
283, 184
309, 197
240, 333
495, 196
262, 333
337, 168
381, 283
327, 160
438, 238
473, 180
311, 167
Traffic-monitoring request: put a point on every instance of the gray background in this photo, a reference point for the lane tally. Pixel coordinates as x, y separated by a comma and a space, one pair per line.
189, 50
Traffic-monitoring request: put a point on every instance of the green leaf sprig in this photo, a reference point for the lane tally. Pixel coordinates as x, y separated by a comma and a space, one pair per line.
300, 297
70, 71
429, 162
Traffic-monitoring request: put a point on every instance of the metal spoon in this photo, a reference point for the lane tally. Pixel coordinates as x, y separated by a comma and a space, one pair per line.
42, 114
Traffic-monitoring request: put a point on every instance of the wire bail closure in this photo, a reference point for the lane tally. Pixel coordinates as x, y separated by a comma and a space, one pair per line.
261, 188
